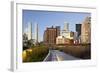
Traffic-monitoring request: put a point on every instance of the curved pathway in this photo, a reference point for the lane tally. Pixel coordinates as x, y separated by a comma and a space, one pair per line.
56, 55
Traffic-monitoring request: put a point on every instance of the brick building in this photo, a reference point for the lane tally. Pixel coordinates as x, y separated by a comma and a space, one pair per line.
50, 35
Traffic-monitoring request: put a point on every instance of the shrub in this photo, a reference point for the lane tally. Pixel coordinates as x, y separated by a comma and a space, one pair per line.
80, 51
37, 54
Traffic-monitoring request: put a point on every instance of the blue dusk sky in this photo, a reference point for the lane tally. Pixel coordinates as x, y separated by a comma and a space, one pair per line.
51, 18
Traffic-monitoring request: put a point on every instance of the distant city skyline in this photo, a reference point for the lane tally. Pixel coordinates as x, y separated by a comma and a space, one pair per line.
46, 19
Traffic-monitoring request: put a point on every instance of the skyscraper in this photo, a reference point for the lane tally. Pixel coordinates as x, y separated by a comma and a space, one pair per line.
66, 26
36, 33
29, 31
78, 29
86, 31
65, 31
